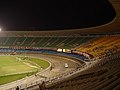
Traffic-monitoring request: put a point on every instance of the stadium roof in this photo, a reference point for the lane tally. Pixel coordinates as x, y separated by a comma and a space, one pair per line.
111, 27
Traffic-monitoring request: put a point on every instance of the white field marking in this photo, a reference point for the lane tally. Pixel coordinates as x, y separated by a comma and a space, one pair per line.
35, 57
28, 64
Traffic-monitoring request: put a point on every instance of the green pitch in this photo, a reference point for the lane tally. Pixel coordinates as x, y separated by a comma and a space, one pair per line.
14, 67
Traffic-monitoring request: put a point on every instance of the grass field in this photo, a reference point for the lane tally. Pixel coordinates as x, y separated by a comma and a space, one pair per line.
16, 67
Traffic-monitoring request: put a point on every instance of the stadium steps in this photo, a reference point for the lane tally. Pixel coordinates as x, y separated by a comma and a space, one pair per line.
57, 41
38, 41
117, 87
81, 80
19, 41
99, 81
10, 41
112, 85
27, 41
54, 42
3, 40
105, 83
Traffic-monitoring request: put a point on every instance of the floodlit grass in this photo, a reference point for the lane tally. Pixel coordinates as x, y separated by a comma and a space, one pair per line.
10, 78
42, 63
12, 69
9, 65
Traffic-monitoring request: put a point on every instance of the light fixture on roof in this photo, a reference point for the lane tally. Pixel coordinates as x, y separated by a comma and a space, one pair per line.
0, 29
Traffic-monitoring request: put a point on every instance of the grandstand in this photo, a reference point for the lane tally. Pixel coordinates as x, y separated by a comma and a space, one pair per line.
92, 56
102, 47
43, 42
104, 75
95, 55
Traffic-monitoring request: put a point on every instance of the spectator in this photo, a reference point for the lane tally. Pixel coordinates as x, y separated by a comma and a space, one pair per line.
17, 88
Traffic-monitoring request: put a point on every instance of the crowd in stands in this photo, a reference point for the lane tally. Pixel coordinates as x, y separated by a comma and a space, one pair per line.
102, 47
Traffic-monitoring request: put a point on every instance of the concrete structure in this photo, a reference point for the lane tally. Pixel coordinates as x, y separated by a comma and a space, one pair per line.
111, 27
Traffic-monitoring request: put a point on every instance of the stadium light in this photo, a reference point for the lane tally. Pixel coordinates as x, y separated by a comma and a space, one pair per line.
0, 29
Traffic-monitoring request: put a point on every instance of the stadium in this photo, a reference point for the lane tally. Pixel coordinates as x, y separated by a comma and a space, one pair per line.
75, 59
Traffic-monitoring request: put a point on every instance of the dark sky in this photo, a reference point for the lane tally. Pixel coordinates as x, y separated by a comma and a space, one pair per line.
54, 14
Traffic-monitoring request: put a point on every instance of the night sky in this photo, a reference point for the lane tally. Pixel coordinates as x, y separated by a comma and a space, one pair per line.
54, 14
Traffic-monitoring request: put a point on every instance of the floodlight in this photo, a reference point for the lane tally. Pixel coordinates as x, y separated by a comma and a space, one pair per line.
0, 29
